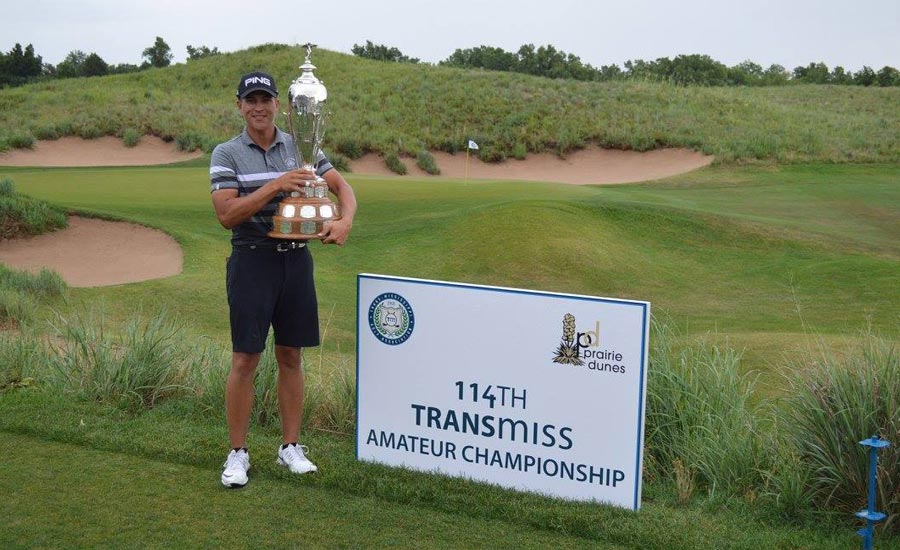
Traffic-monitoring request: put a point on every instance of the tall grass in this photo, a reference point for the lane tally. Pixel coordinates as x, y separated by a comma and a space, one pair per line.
21, 291
43, 284
23, 357
330, 396
395, 164
701, 420
150, 360
705, 432
137, 367
425, 161
382, 106
837, 399
21, 215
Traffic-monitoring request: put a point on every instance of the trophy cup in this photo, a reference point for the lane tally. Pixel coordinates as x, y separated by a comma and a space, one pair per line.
302, 215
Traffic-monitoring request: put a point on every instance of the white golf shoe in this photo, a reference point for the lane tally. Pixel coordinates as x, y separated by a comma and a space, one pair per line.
234, 473
293, 458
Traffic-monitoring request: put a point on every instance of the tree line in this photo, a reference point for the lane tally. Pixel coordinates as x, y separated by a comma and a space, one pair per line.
22, 65
695, 69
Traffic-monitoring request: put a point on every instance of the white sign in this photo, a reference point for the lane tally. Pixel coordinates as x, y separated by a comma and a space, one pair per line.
524, 389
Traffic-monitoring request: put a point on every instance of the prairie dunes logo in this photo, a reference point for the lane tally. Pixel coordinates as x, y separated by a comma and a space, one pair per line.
583, 348
391, 318
568, 352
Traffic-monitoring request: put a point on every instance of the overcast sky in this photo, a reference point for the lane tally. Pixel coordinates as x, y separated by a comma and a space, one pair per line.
787, 32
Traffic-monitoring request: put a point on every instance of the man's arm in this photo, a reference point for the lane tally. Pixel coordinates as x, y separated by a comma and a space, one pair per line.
338, 231
232, 210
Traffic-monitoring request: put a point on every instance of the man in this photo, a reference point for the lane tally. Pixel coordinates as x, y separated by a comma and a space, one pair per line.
269, 281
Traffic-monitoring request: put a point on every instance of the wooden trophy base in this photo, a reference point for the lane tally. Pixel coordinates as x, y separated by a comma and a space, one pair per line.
303, 218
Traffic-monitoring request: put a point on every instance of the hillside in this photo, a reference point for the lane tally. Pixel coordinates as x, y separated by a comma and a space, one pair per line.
391, 107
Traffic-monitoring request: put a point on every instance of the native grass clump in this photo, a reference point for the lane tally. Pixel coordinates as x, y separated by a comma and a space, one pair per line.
395, 164
21, 292
150, 360
137, 367
708, 431
836, 399
702, 423
425, 161
21, 215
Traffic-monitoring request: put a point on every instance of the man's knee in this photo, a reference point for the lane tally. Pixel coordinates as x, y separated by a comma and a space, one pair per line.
244, 365
287, 357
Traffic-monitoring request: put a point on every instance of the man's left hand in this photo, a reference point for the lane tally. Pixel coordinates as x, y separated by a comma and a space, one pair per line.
336, 231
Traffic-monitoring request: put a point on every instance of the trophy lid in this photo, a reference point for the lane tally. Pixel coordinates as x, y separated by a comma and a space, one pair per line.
307, 86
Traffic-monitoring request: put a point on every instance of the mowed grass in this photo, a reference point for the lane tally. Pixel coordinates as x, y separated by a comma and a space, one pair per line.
114, 500
151, 480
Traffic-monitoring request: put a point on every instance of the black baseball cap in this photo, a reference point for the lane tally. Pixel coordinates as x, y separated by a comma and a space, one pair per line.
256, 82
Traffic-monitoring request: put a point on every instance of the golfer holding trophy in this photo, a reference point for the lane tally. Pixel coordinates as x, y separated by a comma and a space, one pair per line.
271, 188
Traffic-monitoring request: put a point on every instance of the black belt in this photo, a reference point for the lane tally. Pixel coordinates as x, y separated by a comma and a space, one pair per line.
283, 246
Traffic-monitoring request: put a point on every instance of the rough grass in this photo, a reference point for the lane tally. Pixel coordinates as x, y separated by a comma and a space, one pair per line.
405, 108
21, 215
836, 396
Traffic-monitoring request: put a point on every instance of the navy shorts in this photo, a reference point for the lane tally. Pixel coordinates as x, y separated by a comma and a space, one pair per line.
269, 288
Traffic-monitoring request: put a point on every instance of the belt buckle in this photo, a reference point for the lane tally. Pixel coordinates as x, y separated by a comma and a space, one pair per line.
290, 245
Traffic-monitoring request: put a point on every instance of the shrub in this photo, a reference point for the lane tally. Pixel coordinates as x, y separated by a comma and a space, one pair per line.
209, 144
48, 132
90, 131
131, 137
65, 128
489, 153
520, 151
836, 401
340, 162
351, 148
20, 141
394, 163
451, 145
425, 161
189, 142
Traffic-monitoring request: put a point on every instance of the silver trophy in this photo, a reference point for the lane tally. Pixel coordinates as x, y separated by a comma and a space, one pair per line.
302, 215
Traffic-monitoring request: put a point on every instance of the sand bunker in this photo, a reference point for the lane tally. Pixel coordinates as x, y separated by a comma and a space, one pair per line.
104, 151
587, 166
92, 252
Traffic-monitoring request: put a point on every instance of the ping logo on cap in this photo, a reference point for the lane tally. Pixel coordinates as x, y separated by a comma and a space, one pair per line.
257, 80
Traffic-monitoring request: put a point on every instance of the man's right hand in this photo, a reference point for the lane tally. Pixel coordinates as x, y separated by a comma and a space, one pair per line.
292, 181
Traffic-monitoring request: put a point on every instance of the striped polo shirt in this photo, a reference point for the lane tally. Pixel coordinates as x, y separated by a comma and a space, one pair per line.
243, 165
